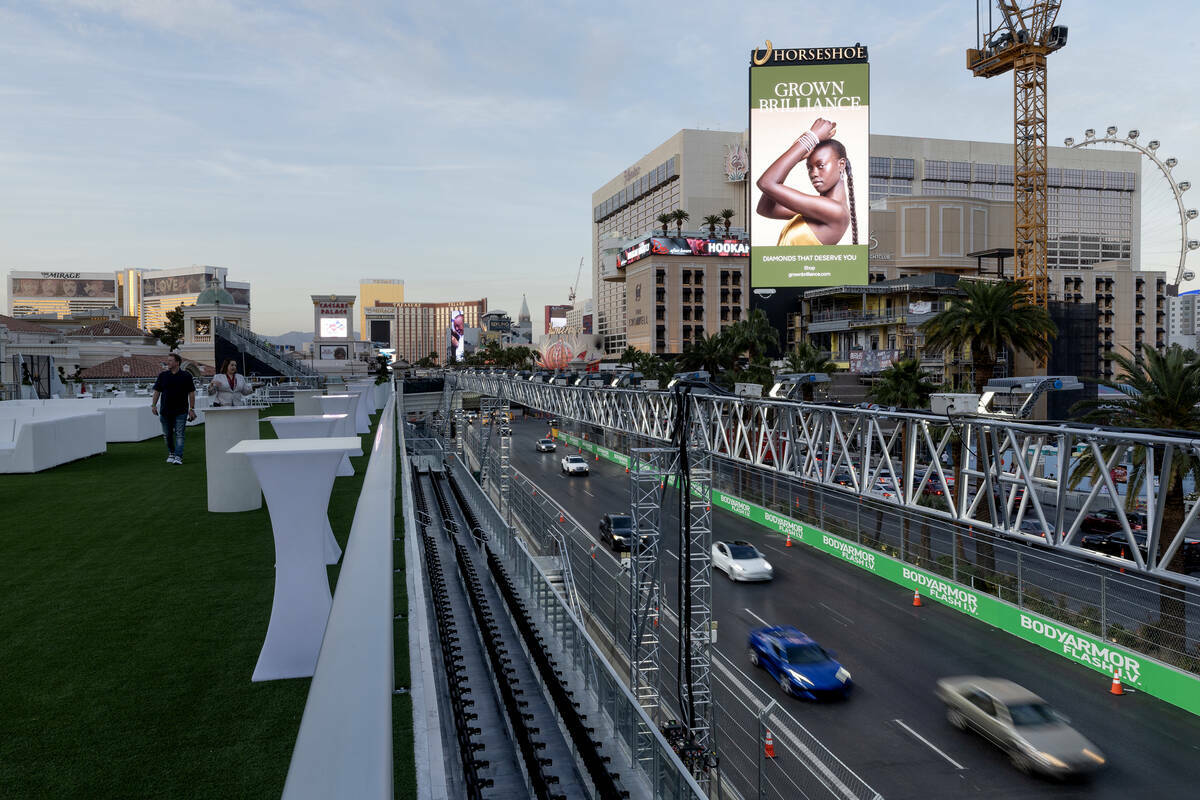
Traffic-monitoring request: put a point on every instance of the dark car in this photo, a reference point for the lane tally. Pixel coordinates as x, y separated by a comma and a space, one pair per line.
1115, 544
843, 478
1106, 521
616, 530
798, 664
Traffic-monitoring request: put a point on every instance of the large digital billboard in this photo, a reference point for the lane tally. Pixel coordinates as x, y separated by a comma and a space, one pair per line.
174, 284
809, 188
681, 246
63, 284
456, 342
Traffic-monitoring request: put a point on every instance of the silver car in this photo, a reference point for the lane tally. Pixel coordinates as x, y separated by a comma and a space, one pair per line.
545, 446
1035, 736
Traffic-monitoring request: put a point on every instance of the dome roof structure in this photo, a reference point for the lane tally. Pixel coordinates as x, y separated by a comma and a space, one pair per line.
215, 294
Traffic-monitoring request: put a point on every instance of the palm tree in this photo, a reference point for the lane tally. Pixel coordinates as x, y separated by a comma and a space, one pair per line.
631, 356
680, 216
991, 317
754, 334
805, 357
903, 384
712, 354
664, 219
712, 221
726, 214
1161, 391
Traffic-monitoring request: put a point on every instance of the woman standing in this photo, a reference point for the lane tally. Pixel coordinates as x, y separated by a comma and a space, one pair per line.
819, 219
228, 388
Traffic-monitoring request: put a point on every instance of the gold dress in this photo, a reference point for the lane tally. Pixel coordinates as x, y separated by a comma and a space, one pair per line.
797, 233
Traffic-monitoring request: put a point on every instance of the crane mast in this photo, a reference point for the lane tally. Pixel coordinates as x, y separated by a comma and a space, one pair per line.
1019, 41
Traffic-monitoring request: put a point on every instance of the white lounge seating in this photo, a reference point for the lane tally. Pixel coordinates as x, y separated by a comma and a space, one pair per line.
32, 442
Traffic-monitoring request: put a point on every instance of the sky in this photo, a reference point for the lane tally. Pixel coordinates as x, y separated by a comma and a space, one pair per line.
456, 145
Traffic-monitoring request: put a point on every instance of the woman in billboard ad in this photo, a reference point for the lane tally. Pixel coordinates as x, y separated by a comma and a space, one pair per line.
812, 219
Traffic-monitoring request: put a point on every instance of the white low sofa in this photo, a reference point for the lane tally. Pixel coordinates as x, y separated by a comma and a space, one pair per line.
126, 419
33, 439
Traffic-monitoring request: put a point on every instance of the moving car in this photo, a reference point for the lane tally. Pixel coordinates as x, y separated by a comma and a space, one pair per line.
798, 664
617, 530
1115, 544
575, 465
741, 561
545, 446
1106, 520
1035, 737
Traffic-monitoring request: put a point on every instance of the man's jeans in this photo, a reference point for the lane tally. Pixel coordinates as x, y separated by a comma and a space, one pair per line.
173, 426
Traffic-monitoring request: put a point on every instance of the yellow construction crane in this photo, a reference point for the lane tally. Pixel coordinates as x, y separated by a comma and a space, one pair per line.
1020, 40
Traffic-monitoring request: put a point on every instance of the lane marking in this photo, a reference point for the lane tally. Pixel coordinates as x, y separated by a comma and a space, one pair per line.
837, 613
668, 552
928, 744
757, 617
589, 494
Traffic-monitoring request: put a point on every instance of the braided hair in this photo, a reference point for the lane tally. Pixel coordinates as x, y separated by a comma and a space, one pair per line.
840, 149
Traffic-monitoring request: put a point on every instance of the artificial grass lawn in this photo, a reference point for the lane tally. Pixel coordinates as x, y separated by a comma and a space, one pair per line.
132, 621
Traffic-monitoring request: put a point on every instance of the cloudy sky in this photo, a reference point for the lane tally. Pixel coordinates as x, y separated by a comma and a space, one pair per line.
456, 144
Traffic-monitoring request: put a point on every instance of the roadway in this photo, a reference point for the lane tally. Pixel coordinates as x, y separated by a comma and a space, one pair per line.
892, 731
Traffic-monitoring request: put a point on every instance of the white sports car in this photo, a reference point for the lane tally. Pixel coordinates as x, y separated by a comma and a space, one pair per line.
741, 561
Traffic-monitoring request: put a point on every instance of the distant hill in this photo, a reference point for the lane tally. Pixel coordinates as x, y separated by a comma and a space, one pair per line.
292, 338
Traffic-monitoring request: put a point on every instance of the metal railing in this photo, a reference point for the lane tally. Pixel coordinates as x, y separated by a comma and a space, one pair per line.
344, 747
607, 702
602, 579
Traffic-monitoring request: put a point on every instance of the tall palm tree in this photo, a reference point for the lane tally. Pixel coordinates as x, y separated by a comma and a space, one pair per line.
992, 316
805, 357
664, 219
754, 335
713, 354
680, 216
903, 384
1161, 391
712, 221
726, 214
631, 356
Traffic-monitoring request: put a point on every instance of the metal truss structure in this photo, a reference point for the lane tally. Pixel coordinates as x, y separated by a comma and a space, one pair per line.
647, 482
1029, 481
489, 409
698, 498
459, 428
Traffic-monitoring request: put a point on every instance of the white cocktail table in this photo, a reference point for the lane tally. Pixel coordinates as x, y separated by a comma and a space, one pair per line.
304, 402
341, 404
231, 483
296, 476
312, 426
362, 414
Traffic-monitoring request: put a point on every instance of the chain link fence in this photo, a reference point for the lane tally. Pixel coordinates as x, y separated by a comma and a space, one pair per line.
801, 767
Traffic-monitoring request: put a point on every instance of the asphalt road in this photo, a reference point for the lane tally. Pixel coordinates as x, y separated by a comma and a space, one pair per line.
892, 731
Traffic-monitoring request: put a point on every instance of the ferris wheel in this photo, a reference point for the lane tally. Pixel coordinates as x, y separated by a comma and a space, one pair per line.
1164, 231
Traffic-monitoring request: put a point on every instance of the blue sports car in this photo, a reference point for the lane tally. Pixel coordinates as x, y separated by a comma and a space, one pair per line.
801, 666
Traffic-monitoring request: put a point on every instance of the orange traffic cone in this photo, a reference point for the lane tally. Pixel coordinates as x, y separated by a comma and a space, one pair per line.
789, 542
916, 598
627, 470
1116, 684
562, 518
597, 456
769, 746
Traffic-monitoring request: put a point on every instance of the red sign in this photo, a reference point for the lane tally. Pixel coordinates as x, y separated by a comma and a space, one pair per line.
328, 309
1119, 474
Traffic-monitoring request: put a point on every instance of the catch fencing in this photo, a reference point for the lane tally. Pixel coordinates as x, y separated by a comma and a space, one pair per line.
802, 766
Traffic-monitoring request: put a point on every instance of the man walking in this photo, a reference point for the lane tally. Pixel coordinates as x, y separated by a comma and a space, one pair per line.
178, 392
